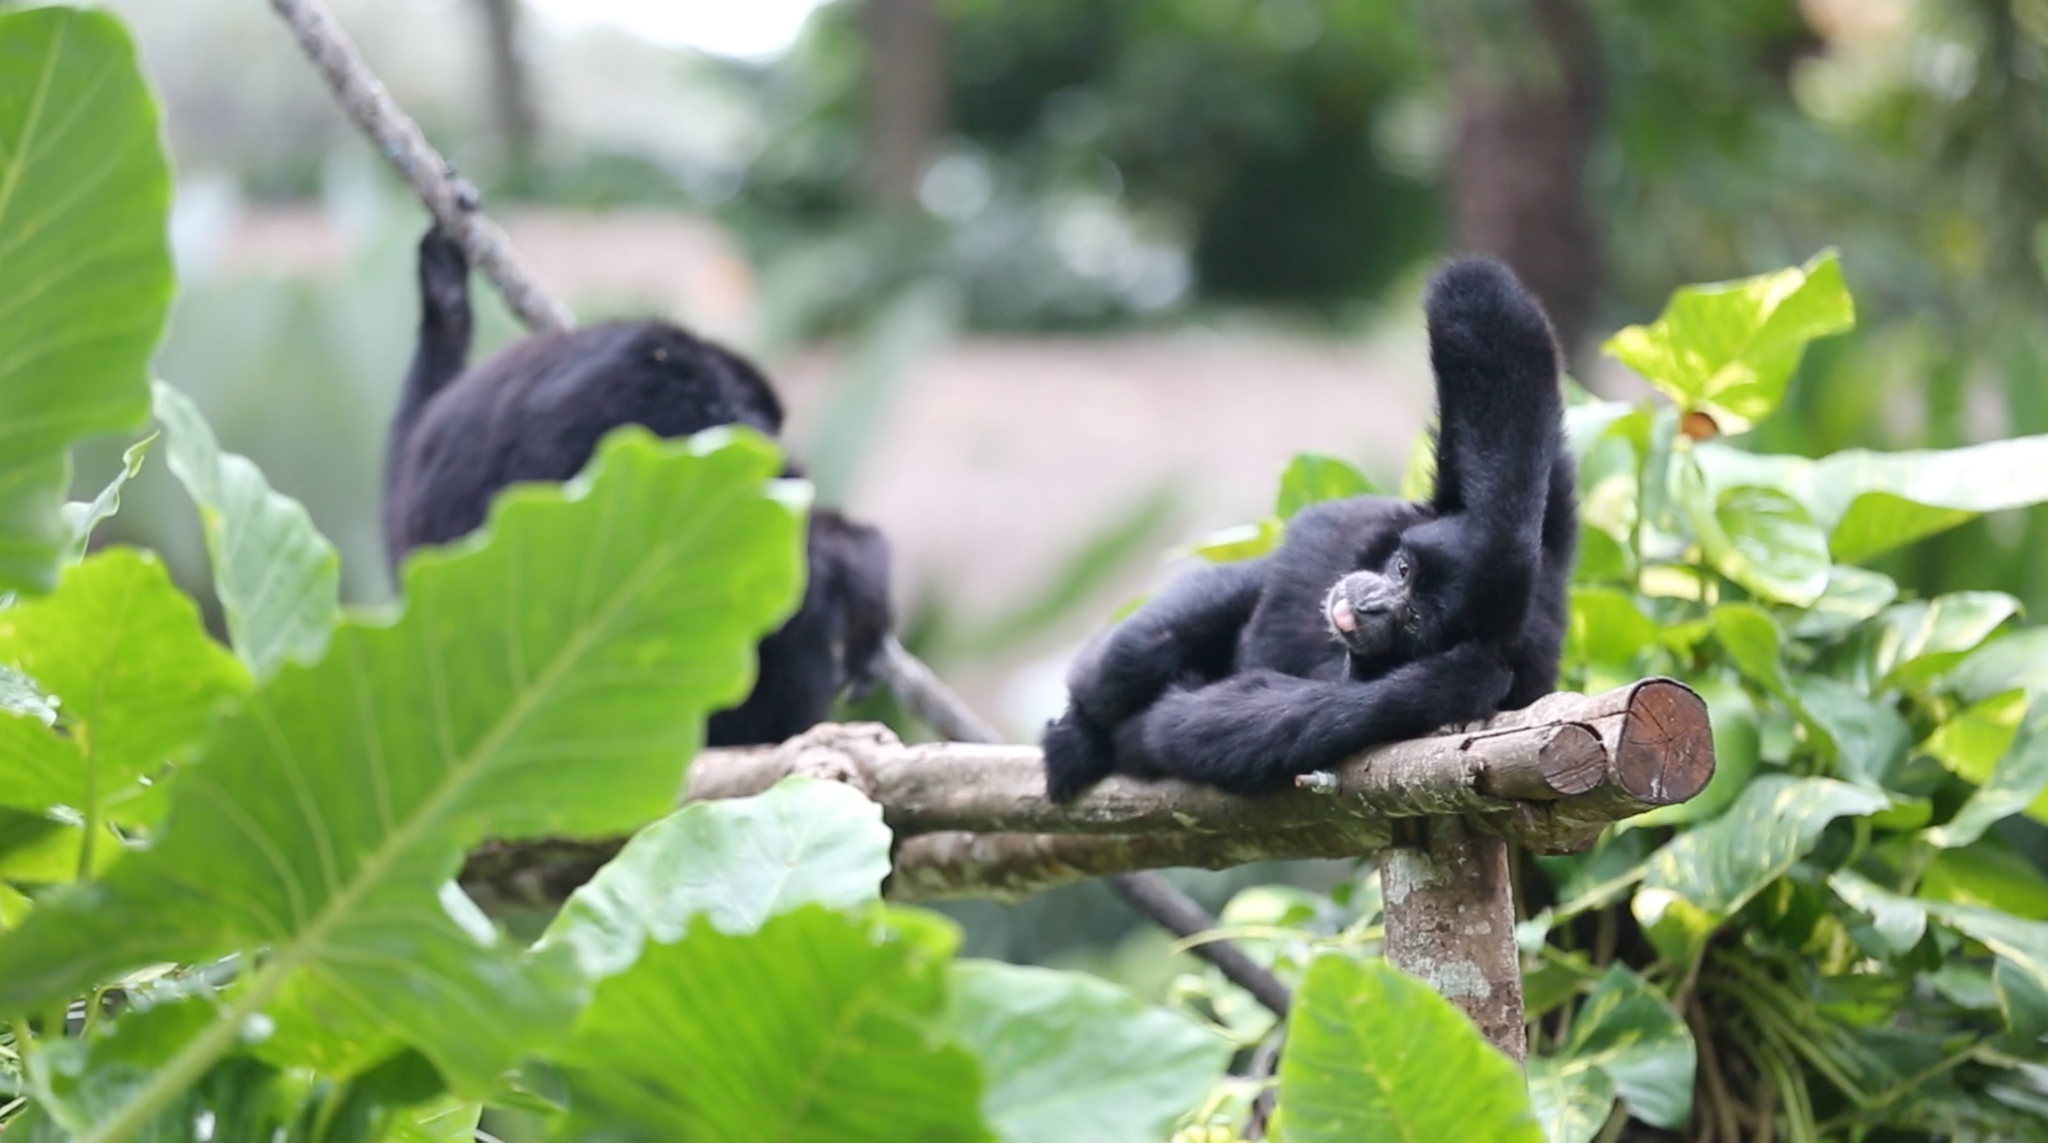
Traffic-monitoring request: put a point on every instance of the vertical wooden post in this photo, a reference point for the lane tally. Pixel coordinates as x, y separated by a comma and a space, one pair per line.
1450, 915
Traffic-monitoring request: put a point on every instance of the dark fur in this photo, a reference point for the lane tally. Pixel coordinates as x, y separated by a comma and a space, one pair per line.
1233, 676
536, 412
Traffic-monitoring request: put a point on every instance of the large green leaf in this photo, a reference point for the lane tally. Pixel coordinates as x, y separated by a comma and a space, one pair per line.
1972, 740
135, 678
2017, 662
1312, 478
1866, 739
1374, 1056
1988, 873
1606, 627
552, 681
85, 264
1704, 875
1571, 1102
1750, 637
1918, 640
77, 1081
819, 1028
1871, 502
2016, 782
1898, 922
277, 577
1729, 349
1073, 1059
1853, 595
1238, 542
2020, 945
1765, 541
1758, 537
1629, 1031
735, 862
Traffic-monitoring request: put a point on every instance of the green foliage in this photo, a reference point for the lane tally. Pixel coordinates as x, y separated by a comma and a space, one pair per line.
595, 632
1728, 350
1844, 911
1072, 1059
817, 1028
1869, 503
1312, 478
229, 901
276, 576
1374, 1056
133, 682
85, 267
733, 863
85, 515
244, 884
1868, 742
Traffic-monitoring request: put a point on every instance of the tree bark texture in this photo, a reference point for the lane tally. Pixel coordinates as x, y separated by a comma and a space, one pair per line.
1450, 922
513, 110
906, 87
1527, 78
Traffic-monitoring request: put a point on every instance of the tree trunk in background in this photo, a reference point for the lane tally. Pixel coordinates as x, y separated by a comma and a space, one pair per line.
512, 103
906, 41
1528, 93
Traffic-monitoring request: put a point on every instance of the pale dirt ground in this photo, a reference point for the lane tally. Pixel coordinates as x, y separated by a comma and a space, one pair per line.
1002, 457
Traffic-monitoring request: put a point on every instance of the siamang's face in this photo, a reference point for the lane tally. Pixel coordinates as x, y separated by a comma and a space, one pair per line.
1385, 609
1372, 612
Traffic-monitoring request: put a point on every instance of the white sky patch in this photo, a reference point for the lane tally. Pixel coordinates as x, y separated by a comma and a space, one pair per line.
747, 29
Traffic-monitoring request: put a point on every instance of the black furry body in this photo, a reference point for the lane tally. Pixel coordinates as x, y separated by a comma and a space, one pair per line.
1238, 676
536, 411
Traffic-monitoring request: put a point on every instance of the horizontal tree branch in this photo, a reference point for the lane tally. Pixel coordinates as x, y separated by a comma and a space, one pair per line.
973, 819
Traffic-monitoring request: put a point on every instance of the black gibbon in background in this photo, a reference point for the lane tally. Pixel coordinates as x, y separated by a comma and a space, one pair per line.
1376, 619
536, 411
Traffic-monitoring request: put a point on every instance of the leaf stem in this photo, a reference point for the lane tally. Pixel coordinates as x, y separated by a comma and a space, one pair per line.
92, 805
183, 1070
24, 1043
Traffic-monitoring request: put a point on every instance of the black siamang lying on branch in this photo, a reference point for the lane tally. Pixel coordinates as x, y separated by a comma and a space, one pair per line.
1376, 619
536, 412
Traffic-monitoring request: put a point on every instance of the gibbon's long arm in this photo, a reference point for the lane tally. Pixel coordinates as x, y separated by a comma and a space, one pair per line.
1253, 732
1187, 635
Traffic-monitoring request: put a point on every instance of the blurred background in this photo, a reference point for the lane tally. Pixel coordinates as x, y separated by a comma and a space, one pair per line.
1053, 287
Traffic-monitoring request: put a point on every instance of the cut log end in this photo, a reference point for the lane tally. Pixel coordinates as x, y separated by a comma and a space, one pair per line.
1666, 754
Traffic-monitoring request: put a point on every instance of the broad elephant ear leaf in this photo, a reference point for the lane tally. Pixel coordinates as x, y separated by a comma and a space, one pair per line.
1074, 1059
1375, 1056
550, 678
817, 1028
735, 862
85, 264
136, 682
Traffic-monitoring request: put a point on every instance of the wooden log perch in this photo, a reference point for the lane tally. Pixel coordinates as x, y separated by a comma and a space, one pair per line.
973, 820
